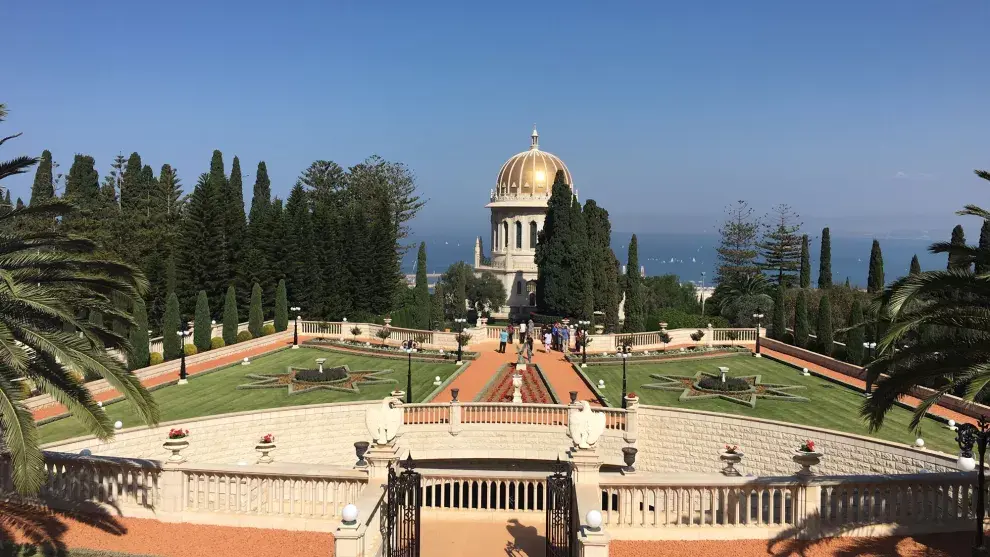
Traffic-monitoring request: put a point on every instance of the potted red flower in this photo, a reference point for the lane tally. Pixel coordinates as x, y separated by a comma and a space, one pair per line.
176, 442
807, 455
265, 446
731, 456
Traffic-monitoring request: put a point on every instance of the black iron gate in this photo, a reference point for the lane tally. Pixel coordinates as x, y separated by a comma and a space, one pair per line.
561, 513
400, 512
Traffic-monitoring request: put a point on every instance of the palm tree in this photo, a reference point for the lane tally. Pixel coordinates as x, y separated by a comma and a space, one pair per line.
741, 295
946, 316
49, 284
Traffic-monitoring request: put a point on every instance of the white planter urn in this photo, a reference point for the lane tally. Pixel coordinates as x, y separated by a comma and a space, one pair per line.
176, 446
517, 381
807, 459
265, 449
731, 460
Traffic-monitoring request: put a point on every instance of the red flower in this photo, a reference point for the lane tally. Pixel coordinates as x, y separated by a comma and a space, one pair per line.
177, 433
808, 447
268, 438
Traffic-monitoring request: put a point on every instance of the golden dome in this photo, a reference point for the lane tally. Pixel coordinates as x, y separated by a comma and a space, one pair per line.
530, 173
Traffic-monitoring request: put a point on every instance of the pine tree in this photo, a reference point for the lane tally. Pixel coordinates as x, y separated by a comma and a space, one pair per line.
983, 263
385, 270
737, 250
422, 290
132, 195
825, 261
260, 237
801, 325
82, 189
875, 281
256, 316
277, 255
583, 304
436, 308
44, 182
915, 266
781, 245
779, 326
826, 334
603, 265
553, 294
856, 335
230, 316
139, 356
204, 261
202, 325
805, 263
281, 307
634, 291
170, 327
958, 240
235, 225
302, 277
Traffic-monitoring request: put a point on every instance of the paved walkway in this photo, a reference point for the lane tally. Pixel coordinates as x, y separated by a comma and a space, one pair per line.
191, 369
556, 369
860, 384
932, 545
515, 537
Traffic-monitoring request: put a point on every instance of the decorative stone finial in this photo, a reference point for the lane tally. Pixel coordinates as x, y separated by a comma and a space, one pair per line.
586, 426
383, 421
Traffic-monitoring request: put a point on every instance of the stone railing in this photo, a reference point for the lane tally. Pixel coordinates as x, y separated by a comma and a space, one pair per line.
341, 330
650, 340
653, 506
494, 331
485, 493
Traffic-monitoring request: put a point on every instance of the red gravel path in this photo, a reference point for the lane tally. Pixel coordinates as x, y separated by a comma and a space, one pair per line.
935, 545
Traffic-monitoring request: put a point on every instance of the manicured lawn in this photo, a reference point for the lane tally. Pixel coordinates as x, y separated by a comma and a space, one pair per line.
216, 392
831, 406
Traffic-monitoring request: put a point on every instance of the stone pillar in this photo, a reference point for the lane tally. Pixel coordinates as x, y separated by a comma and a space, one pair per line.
593, 543
379, 458
171, 493
455, 417
587, 465
348, 540
632, 419
710, 336
810, 504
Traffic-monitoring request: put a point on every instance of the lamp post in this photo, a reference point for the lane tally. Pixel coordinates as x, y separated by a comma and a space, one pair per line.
871, 353
409, 353
295, 327
584, 324
967, 436
758, 316
183, 334
624, 352
460, 331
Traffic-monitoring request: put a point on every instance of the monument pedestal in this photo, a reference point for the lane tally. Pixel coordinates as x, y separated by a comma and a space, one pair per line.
587, 465
379, 458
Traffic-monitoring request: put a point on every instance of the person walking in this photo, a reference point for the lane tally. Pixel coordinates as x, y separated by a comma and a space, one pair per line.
502, 337
547, 341
565, 339
510, 329
529, 349
531, 327
522, 331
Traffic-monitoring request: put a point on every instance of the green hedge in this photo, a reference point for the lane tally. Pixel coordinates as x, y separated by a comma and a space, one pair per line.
244, 336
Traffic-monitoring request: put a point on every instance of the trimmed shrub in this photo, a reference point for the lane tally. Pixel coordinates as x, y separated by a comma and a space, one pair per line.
217, 342
314, 375
191, 350
203, 327
732, 384
281, 307
156, 358
268, 329
244, 336
698, 335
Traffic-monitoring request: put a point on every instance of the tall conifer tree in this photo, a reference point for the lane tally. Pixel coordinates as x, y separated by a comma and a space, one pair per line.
983, 261
171, 345
436, 308
43, 188
139, 356
634, 291
235, 225
256, 316
958, 240
422, 289
915, 266
825, 332
825, 260
281, 321
202, 327
801, 325
302, 277
875, 281
779, 326
805, 263
583, 303
737, 250
603, 265
856, 335
781, 245
553, 294
230, 316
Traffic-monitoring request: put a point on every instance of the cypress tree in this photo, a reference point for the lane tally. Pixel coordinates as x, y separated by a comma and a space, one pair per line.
825, 260
826, 335
256, 317
805, 263
277, 254
583, 304
202, 326
139, 356
256, 255
634, 290
856, 335
875, 282
983, 259
779, 326
43, 188
603, 265
281, 307
915, 266
422, 290
235, 226
302, 276
204, 256
553, 294
170, 327
131, 190
801, 325
958, 240
436, 308
230, 316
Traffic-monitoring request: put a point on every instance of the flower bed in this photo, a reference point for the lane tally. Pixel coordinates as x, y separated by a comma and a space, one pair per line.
611, 358
388, 351
534, 389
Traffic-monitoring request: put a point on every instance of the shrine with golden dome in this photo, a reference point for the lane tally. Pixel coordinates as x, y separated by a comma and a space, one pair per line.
518, 206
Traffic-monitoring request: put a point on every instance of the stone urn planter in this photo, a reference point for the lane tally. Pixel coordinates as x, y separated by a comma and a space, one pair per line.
176, 446
453, 394
629, 457
265, 449
360, 448
807, 459
731, 460
401, 395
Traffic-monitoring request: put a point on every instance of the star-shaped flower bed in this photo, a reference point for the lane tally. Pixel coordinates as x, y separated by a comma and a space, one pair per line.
337, 379
691, 389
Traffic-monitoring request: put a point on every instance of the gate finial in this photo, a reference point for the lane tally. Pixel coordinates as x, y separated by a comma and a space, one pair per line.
408, 462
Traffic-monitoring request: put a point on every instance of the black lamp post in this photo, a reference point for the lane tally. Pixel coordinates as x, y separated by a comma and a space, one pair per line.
584, 323
409, 353
183, 333
460, 331
758, 316
295, 327
967, 436
626, 349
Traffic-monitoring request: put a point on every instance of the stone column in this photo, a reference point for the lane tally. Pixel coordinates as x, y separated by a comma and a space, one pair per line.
587, 465
171, 493
710, 336
455, 417
810, 503
632, 419
593, 543
379, 458
348, 540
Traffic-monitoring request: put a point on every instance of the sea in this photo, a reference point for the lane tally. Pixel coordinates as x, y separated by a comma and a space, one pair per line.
692, 257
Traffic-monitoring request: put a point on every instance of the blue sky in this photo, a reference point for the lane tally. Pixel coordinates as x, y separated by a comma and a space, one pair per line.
664, 112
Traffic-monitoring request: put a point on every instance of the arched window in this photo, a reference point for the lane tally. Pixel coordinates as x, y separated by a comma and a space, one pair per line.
518, 235
532, 234
519, 287
495, 243
505, 234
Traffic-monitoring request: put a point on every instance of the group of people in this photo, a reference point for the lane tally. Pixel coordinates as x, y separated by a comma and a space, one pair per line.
555, 337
